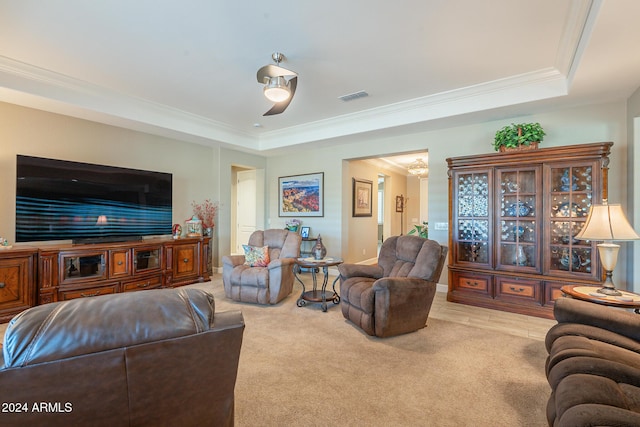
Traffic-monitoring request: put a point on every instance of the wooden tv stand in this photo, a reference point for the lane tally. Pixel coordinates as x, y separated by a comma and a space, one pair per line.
75, 271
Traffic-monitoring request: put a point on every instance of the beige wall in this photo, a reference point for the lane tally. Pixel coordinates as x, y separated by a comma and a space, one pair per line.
603, 122
37, 133
205, 172
633, 181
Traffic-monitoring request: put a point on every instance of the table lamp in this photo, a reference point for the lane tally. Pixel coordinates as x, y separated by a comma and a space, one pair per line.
607, 223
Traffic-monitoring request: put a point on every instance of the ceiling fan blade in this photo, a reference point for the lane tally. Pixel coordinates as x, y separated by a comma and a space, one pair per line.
269, 71
281, 106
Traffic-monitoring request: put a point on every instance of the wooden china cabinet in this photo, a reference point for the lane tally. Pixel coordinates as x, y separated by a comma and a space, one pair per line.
512, 220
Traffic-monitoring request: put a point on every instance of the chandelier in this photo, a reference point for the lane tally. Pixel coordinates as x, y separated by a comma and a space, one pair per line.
418, 168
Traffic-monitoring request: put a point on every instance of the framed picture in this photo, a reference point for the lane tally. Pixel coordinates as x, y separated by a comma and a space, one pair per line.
304, 232
362, 196
400, 203
301, 195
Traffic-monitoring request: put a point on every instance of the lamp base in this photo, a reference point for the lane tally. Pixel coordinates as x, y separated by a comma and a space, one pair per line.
608, 287
609, 291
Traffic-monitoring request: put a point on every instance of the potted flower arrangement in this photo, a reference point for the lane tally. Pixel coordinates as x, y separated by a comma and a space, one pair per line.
206, 212
293, 224
518, 137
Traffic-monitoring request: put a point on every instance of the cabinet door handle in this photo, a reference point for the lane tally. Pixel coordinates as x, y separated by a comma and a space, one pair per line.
2, 285
513, 288
90, 295
186, 260
120, 262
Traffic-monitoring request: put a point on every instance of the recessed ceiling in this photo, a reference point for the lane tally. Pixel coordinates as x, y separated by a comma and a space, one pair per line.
188, 69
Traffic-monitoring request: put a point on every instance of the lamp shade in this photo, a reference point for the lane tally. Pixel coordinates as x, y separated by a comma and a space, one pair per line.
607, 222
277, 89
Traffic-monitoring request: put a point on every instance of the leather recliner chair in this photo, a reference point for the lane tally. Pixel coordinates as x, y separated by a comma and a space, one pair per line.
152, 358
393, 297
263, 284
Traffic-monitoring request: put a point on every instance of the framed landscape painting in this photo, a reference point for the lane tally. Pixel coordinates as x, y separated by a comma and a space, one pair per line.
362, 190
301, 195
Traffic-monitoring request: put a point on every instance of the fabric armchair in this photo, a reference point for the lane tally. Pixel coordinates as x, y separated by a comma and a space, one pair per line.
263, 283
395, 296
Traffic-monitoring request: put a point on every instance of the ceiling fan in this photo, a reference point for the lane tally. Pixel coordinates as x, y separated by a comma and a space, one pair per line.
276, 87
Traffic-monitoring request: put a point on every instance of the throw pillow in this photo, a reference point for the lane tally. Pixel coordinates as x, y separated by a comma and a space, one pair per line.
256, 256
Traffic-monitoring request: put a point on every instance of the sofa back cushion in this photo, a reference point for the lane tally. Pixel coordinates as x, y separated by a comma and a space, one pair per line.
411, 256
282, 243
89, 325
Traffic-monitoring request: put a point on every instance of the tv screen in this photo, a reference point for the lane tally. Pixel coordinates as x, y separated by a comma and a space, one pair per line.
64, 200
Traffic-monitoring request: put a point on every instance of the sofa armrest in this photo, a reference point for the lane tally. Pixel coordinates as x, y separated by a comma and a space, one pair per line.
233, 260
227, 319
402, 304
569, 310
281, 262
360, 270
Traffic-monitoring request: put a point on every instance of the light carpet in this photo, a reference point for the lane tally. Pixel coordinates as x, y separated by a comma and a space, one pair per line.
302, 367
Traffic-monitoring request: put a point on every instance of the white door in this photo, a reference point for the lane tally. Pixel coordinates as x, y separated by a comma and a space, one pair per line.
246, 211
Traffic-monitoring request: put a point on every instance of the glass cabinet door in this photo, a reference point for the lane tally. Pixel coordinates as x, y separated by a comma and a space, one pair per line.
146, 259
518, 233
472, 217
82, 266
569, 199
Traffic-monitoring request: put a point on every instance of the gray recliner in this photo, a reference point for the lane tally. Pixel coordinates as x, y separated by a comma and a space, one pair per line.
393, 297
263, 285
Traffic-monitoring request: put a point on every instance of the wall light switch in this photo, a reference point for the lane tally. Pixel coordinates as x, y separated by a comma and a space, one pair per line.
441, 226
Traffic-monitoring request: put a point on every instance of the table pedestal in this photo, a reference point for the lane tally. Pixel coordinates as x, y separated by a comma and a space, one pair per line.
317, 295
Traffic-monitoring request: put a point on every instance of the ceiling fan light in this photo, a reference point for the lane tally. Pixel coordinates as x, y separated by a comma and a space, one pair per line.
277, 89
418, 168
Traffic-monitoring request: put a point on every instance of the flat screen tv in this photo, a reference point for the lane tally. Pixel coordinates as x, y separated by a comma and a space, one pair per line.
82, 202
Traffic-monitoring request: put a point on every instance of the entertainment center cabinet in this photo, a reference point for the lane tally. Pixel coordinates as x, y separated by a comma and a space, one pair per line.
67, 271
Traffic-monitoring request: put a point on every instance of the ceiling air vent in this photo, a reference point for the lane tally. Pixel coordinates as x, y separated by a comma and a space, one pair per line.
352, 96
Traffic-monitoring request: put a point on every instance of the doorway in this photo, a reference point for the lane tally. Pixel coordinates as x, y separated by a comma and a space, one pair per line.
247, 205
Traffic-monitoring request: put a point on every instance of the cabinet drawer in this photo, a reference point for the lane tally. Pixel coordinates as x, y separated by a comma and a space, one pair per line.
88, 292
527, 290
153, 282
473, 283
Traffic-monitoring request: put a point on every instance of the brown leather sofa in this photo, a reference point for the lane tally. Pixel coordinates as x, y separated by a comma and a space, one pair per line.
151, 358
393, 297
593, 366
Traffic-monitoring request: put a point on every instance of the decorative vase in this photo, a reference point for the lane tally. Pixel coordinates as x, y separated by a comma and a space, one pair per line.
319, 250
520, 257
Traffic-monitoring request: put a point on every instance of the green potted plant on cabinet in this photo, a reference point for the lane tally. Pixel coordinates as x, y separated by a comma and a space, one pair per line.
520, 136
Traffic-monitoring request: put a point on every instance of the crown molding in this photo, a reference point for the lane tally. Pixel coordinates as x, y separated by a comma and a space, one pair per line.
523, 88
45, 89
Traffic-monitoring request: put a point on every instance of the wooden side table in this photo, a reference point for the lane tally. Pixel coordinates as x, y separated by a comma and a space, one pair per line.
590, 293
317, 295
